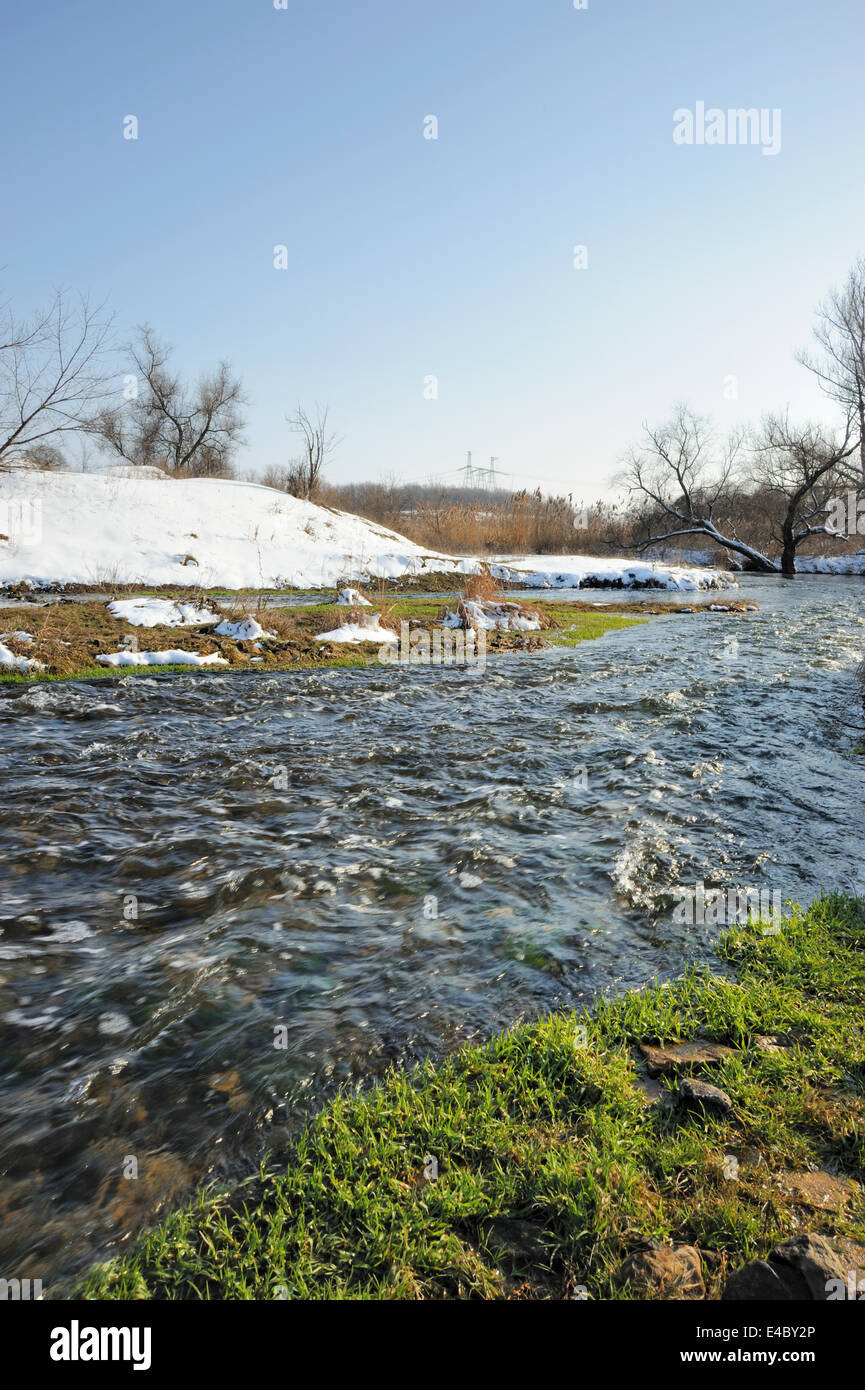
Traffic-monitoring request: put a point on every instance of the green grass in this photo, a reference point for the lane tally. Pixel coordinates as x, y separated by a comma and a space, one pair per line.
580, 626
68, 638
551, 1166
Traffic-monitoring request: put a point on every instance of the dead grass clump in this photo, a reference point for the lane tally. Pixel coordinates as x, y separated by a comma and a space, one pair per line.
285, 623
483, 587
62, 638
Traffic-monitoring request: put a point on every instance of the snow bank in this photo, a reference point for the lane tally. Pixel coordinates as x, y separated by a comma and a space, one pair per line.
161, 612
84, 528
359, 632
587, 571
161, 659
831, 564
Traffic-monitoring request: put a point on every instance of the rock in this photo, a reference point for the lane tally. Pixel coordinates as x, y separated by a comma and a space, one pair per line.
817, 1260
809, 1267
699, 1052
666, 1272
771, 1042
766, 1283
709, 1097
819, 1190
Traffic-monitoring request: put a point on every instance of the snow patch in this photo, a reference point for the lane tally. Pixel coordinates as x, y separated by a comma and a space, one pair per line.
353, 598
247, 630
359, 632
176, 658
160, 612
10, 661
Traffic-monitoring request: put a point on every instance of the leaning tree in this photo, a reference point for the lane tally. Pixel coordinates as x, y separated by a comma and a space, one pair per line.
688, 485
685, 484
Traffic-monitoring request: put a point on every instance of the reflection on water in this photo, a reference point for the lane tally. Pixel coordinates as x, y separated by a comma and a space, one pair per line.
222, 897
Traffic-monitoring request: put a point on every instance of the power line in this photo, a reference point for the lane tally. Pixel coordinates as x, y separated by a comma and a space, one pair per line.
492, 478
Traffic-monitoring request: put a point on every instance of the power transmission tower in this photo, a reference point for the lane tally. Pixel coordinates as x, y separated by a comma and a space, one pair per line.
469, 472
486, 478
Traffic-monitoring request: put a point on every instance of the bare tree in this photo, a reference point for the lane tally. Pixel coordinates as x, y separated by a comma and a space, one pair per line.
686, 483
192, 431
53, 373
840, 365
802, 467
318, 444
794, 472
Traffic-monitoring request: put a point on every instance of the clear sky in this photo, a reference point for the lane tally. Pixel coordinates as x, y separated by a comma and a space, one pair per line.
410, 257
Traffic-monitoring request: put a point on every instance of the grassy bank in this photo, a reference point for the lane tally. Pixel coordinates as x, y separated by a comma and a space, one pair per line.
68, 638
555, 1157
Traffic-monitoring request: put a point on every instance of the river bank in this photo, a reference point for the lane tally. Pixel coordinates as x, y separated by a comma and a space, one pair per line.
85, 640
549, 1164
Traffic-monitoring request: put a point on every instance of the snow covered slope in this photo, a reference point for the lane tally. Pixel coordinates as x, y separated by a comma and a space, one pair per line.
84, 527
87, 528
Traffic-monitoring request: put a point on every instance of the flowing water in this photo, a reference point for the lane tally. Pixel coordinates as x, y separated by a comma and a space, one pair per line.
224, 896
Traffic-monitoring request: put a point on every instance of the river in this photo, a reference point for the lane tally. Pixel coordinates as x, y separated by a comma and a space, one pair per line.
224, 896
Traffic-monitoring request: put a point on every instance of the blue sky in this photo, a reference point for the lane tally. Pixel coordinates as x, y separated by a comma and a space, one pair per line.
410, 257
